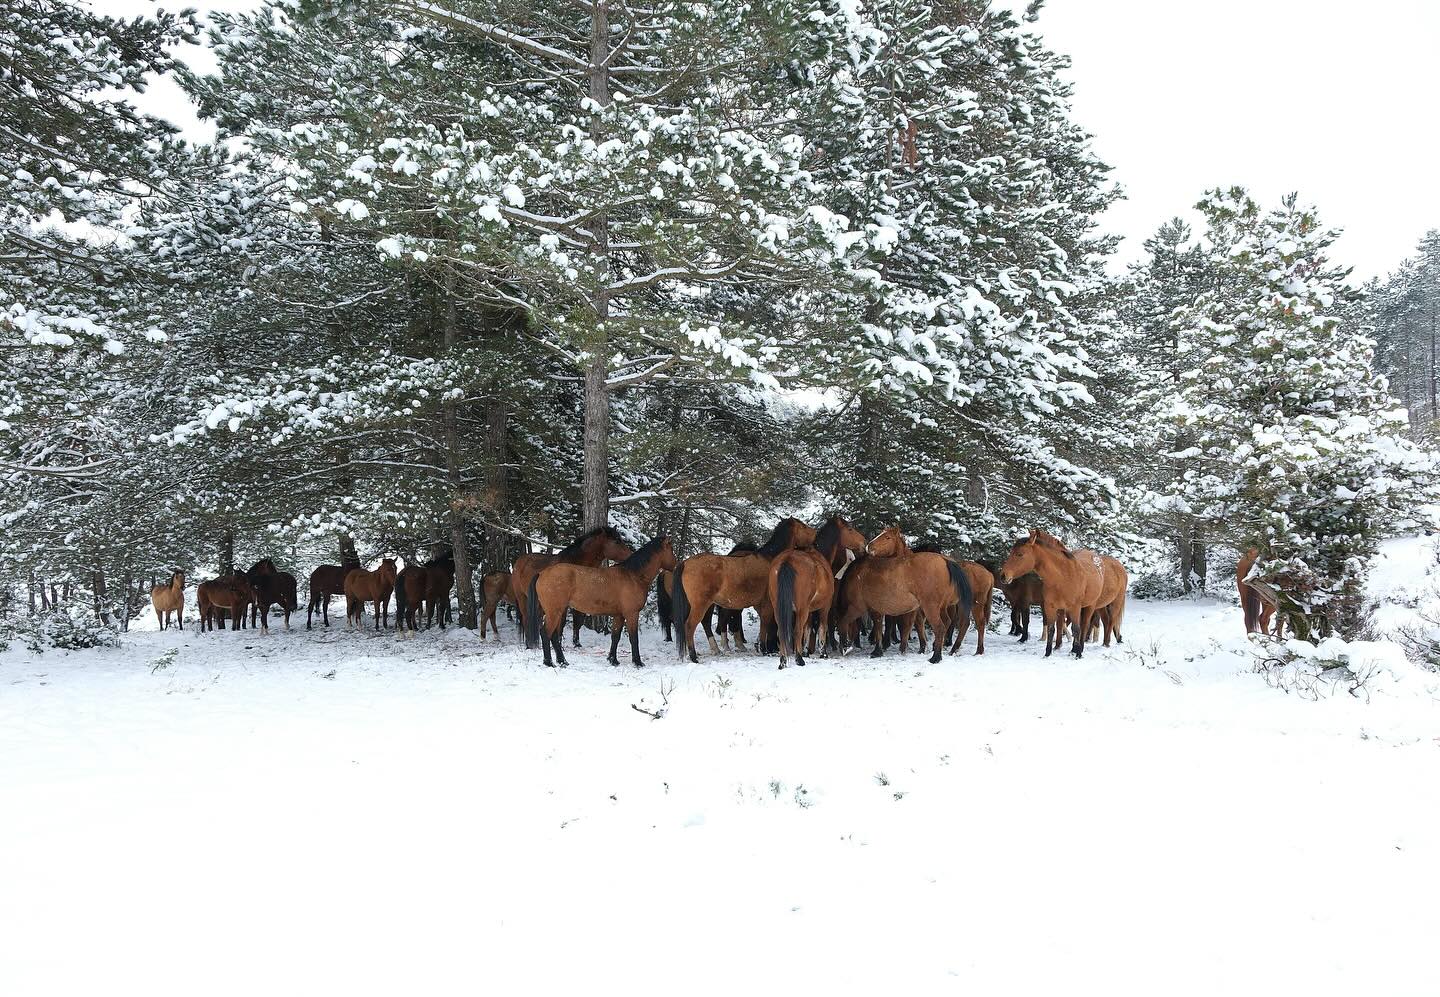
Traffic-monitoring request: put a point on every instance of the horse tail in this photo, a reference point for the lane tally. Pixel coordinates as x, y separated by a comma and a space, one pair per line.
662, 602
401, 604
1250, 603
963, 594
1117, 613
785, 604
680, 610
532, 614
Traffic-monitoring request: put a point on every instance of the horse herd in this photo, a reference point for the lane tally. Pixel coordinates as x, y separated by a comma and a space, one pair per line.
811, 587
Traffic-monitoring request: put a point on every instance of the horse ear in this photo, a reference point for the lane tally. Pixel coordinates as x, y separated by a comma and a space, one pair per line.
1034, 533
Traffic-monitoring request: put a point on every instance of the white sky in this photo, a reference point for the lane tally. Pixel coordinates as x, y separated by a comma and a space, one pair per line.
1333, 98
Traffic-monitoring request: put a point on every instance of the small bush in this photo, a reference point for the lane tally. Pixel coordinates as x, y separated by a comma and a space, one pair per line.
71, 629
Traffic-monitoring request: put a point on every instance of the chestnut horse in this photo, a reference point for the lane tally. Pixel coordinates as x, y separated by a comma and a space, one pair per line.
272, 587
170, 598
231, 593
731, 581
1256, 604
801, 585
618, 591
411, 587
363, 586
603, 543
326, 581
1077, 585
895, 581
495, 586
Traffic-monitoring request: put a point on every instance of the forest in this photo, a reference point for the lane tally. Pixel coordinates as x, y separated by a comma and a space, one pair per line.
480, 276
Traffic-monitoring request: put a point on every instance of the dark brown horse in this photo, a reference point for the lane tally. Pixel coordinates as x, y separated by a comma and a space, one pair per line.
1077, 585
896, 581
326, 581
618, 591
603, 543
732, 581
411, 587
272, 587
363, 586
802, 585
440, 575
228, 593
495, 587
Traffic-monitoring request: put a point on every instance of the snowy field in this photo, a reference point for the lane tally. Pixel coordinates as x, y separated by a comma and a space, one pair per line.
337, 813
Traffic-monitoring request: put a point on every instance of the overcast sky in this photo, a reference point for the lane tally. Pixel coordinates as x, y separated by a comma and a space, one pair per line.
1334, 99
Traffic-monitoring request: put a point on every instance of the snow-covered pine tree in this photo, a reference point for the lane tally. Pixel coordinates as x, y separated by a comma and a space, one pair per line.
1298, 447
1404, 312
943, 131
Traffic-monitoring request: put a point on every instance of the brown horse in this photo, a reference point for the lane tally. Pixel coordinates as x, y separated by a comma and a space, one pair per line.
440, 573
363, 586
1257, 605
895, 581
731, 581
603, 543
617, 591
982, 589
801, 586
495, 586
1077, 585
411, 587
170, 598
229, 593
272, 587
326, 581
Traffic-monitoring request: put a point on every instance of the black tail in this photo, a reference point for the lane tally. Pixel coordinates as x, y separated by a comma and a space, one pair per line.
785, 605
680, 610
401, 605
532, 614
1250, 604
961, 585
662, 605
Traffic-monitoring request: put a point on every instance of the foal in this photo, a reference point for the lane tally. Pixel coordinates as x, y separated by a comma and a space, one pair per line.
617, 591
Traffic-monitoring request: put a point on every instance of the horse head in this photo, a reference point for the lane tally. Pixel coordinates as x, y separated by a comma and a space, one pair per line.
888, 543
851, 539
667, 556
388, 570
1024, 558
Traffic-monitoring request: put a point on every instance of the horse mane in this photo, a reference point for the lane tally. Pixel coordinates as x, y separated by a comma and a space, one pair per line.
1049, 541
779, 538
927, 549
575, 545
743, 547
641, 557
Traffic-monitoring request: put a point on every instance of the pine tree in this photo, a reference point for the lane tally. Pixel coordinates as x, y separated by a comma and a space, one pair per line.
1298, 447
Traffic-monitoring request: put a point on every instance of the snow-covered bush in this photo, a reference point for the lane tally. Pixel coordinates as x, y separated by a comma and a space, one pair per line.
71, 629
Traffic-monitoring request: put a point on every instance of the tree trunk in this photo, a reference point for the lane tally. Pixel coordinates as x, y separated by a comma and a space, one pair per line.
227, 552
126, 604
1186, 551
32, 591
97, 586
460, 545
349, 556
596, 499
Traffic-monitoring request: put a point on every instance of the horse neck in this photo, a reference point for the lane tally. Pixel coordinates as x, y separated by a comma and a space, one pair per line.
647, 571
1053, 563
588, 555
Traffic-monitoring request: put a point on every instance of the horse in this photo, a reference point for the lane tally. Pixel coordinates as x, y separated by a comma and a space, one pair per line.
440, 576
603, 543
1257, 604
325, 581
411, 587
617, 591
801, 585
982, 589
271, 587
170, 598
228, 592
1077, 585
363, 586
893, 580
731, 581
495, 586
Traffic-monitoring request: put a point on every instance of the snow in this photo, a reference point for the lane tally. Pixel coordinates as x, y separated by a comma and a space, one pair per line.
375, 814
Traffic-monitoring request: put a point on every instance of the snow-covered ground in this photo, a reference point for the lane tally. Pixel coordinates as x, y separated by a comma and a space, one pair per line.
337, 813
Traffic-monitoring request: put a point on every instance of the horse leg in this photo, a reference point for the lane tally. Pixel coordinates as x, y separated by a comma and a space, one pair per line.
982, 623
706, 621
545, 646
1080, 616
877, 637
632, 623
935, 614
557, 637
614, 656
577, 620
690, 623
